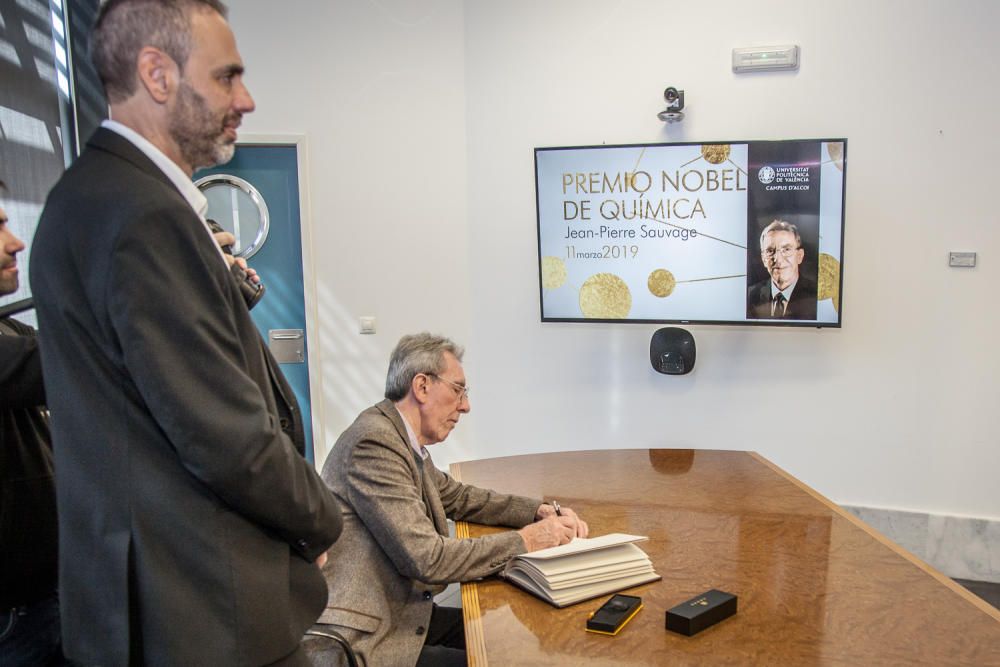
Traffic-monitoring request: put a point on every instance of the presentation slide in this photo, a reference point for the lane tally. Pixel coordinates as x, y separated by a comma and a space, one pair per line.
730, 233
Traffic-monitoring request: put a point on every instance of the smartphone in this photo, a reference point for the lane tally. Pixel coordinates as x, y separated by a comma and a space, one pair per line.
612, 616
251, 291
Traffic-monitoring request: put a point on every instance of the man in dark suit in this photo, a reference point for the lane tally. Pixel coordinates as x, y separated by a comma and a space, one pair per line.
785, 294
190, 523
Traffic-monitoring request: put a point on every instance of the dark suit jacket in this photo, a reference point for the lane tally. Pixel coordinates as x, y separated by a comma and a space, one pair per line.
187, 518
395, 553
28, 544
802, 305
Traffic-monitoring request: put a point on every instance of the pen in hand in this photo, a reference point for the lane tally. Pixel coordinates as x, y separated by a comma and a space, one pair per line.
582, 530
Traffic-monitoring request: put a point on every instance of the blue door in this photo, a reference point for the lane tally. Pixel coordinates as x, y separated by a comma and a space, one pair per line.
273, 171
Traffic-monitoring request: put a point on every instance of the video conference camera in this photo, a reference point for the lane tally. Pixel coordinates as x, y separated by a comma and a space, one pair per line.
675, 105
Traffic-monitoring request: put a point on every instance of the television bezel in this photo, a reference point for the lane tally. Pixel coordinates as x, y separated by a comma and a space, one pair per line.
753, 323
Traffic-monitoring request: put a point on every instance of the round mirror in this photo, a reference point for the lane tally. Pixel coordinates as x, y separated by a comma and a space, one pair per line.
239, 208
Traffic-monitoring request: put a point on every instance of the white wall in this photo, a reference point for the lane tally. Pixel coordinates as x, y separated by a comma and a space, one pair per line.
421, 117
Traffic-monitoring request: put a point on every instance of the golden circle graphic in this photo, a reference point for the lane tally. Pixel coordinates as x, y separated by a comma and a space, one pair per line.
715, 153
605, 296
553, 272
829, 278
836, 151
661, 283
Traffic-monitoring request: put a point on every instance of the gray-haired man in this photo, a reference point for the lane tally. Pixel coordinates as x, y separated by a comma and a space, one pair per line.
395, 554
786, 294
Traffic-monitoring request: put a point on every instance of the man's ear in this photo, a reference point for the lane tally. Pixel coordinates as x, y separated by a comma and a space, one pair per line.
419, 387
158, 73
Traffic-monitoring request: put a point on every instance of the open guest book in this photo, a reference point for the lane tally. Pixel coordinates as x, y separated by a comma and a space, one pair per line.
583, 569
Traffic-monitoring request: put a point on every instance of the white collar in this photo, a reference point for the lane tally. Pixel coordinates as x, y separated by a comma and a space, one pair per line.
181, 181
787, 291
412, 436
192, 195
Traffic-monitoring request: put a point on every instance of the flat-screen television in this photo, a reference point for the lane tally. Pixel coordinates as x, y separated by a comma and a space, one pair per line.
739, 232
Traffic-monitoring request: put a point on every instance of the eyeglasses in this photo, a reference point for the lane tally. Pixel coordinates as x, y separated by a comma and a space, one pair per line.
785, 251
461, 391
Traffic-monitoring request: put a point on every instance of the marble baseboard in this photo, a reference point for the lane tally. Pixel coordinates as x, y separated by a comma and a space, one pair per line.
960, 547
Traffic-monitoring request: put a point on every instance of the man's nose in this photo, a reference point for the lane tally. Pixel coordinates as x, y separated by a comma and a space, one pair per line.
11, 244
464, 406
244, 101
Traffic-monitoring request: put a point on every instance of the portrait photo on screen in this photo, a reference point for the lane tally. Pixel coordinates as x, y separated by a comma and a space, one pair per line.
783, 219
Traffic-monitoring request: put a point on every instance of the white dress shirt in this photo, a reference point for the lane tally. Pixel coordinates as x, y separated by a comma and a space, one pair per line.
181, 181
412, 436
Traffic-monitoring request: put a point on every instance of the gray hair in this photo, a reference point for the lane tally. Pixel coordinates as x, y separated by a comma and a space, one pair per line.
414, 354
781, 226
125, 27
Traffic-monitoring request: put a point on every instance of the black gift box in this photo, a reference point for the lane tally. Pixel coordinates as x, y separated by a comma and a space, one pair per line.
700, 612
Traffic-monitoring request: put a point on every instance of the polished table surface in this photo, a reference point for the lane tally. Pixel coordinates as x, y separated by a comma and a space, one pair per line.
816, 586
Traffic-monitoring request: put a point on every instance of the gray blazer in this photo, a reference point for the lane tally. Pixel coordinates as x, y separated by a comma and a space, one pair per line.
394, 553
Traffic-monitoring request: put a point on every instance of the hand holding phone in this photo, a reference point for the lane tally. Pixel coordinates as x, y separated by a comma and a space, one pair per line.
251, 291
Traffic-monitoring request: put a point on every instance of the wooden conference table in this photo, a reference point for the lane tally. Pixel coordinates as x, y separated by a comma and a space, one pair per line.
815, 585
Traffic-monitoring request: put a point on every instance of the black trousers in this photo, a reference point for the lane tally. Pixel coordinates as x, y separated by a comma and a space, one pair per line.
445, 643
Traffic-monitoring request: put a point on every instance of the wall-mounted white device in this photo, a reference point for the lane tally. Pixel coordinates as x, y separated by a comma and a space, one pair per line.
765, 58
963, 259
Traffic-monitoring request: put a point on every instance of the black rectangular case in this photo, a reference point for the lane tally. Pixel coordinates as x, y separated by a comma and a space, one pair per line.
694, 615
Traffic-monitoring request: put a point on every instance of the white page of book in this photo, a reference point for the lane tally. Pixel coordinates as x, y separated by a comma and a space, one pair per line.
583, 544
580, 580
565, 582
579, 593
621, 553
586, 581
559, 573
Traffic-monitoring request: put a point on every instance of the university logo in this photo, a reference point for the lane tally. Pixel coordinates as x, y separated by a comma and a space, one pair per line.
765, 175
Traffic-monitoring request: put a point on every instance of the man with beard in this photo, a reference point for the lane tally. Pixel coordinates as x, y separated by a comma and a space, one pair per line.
190, 524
